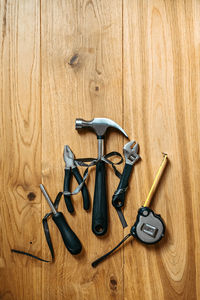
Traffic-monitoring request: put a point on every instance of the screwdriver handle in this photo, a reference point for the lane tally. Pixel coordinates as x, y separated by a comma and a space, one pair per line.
70, 239
156, 181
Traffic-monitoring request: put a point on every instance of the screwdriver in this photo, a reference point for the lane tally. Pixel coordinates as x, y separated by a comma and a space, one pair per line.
70, 239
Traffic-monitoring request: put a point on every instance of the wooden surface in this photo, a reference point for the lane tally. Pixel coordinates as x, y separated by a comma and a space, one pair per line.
138, 63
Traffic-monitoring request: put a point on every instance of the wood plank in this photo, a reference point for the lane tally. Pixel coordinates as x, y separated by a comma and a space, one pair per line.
81, 77
161, 102
136, 62
20, 207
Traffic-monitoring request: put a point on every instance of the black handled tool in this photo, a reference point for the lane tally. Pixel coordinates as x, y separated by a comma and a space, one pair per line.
99, 215
70, 239
71, 169
149, 228
131, 157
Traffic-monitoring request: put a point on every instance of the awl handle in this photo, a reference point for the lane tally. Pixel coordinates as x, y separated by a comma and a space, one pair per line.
99, 216
70, 239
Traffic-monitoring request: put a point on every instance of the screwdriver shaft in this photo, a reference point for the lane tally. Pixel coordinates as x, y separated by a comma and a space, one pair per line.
48, 199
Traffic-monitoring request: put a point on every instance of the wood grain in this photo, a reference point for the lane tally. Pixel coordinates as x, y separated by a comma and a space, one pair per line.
79, 57
138, 63
161, 96
20, 204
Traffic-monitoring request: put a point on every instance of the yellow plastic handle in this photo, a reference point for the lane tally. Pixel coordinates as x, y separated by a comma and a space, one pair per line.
156, 180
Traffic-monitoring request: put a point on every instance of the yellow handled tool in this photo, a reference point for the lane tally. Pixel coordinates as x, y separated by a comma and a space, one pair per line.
156, 180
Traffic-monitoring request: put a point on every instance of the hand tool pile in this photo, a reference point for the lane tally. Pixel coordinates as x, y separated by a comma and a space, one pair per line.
148, 228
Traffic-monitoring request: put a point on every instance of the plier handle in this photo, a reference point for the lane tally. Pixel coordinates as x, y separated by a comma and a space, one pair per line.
70, 170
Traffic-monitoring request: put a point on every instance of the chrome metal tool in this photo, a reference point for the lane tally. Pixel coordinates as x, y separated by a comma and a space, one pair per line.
131, 155
99, 215
70, 239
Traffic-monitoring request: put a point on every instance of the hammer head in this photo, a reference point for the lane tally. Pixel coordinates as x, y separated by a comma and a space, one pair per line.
98, 125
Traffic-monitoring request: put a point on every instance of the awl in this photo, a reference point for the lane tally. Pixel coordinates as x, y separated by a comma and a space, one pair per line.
70, 239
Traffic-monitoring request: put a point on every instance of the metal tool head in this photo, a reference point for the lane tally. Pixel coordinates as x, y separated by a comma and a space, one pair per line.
98, 125
130, 151
68, 156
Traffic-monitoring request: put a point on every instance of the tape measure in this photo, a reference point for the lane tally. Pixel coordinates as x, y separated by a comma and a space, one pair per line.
149, 227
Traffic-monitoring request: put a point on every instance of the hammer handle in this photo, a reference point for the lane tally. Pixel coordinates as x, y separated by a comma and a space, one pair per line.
99, 216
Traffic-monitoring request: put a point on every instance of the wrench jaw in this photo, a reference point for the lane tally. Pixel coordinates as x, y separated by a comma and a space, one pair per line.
130, 151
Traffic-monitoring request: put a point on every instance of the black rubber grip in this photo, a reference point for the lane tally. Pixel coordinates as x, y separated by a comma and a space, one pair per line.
86, 199
99, 216
68, 201
70, 239
118, 200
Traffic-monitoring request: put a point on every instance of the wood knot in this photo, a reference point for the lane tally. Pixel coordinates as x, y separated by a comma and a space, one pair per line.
31, 196
96, 88
73, 61
113, 283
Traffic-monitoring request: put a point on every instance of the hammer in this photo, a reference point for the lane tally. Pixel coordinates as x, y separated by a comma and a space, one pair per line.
99, 214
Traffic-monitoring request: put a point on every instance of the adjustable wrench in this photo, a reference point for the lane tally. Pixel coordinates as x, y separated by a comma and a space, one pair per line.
131, 155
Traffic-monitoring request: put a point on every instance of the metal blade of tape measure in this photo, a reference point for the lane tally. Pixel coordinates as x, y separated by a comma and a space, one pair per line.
121, 217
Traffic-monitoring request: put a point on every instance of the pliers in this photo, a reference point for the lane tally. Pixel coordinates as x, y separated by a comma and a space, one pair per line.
71, 169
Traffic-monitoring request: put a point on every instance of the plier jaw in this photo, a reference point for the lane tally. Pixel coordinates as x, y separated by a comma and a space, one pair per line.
68, 156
